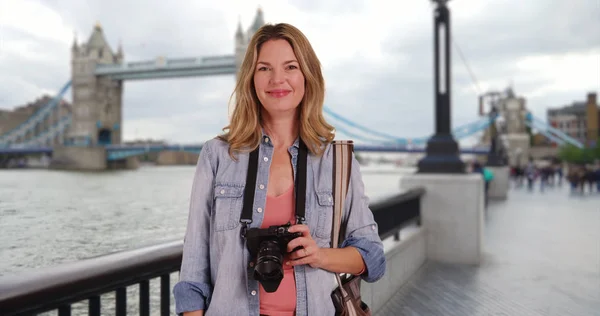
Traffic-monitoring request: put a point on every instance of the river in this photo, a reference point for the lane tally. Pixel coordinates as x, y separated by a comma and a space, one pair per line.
48, 216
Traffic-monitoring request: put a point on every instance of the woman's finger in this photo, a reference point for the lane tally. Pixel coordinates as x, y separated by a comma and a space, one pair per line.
301, 261
300, 228
304, 252
303, 242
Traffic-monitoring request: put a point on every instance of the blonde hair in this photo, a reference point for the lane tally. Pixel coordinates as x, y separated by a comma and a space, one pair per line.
244, 130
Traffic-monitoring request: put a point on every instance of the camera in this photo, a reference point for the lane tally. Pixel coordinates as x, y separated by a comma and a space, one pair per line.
268, 246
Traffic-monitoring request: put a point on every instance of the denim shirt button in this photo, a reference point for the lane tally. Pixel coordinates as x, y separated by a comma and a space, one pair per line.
253, 293
251, 264
259, 210
266, 159
261, 187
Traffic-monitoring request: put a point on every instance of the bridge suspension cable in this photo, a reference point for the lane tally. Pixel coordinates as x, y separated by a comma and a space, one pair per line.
460, 132
464, 60
542, 126
39, 115
363, 128
546, 134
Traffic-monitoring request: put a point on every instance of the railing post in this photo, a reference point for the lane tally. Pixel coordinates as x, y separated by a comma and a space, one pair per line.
145, 298
165, 295
121, 302
94, 306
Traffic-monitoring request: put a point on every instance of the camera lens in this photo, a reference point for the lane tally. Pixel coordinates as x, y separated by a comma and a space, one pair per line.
269, 265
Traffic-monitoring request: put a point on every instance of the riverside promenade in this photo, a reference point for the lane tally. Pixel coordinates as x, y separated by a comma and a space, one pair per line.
542, 257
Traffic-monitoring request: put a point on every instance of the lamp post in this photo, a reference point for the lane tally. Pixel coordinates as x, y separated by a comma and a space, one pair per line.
494, 158
442, 149
502, 142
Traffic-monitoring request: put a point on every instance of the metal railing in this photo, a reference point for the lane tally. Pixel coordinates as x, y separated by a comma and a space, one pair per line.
59, 287
396, 212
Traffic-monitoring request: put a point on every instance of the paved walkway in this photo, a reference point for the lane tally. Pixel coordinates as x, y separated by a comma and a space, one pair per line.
542, 257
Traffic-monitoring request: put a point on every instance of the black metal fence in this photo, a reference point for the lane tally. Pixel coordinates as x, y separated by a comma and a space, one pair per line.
59, 287
396, 212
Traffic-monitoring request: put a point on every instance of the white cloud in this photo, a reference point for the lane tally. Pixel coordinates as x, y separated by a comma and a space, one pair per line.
571, 71
34, 19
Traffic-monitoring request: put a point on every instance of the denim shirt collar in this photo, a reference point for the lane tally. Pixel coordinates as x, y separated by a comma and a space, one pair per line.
266, 139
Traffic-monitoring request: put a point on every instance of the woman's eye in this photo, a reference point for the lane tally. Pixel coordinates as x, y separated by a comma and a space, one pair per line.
293, 67
262, 68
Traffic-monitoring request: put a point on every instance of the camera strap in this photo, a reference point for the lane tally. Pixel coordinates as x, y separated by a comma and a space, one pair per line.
300, 186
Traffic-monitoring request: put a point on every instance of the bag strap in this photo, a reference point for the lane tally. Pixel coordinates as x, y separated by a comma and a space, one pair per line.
342, 167
250, 189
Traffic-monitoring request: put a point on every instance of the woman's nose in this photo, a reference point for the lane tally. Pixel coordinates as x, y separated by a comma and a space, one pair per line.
277, 76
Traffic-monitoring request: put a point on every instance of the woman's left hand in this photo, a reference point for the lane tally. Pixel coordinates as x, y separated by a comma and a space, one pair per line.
310, 253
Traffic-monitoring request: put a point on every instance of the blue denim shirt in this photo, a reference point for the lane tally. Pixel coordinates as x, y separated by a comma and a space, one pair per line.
216, 274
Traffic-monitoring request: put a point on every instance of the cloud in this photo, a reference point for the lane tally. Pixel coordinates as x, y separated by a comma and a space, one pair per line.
377, 56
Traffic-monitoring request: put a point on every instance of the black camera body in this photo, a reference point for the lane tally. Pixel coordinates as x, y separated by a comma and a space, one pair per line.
267, 247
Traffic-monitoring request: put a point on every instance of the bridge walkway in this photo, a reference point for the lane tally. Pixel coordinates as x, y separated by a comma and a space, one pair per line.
542, 257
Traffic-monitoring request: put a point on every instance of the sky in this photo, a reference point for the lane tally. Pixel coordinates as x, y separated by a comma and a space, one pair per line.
377, 56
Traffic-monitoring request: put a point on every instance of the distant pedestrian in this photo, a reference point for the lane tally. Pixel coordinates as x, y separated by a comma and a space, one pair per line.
487, 175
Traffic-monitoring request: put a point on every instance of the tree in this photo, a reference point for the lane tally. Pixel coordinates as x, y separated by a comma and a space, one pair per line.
596, 151
575, 155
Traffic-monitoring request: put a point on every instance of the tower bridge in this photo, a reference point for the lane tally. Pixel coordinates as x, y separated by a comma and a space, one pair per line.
98, 75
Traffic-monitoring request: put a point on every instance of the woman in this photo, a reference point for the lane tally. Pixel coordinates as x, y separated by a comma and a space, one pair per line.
280, 93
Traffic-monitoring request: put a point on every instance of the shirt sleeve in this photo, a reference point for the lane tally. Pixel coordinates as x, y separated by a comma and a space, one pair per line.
361, 229
194, 288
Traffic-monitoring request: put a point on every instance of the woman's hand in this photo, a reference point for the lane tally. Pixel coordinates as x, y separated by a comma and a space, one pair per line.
309, 253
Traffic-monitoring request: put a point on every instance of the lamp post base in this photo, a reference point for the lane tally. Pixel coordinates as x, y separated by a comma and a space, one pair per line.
442, 156
495, 160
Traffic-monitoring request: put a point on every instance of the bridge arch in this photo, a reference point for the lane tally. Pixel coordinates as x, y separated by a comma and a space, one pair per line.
104, 136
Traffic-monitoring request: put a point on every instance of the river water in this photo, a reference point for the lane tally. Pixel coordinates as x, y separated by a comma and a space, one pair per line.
48, 217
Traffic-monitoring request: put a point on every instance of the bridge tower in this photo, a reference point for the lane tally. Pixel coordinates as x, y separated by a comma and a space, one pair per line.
513, 109
97, 101
242, 39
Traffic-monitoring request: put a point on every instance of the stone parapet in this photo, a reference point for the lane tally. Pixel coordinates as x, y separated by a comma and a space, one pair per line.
500, 184
403, 260
452, 214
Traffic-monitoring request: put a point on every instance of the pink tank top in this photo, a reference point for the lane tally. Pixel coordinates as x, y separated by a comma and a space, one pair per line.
278, 211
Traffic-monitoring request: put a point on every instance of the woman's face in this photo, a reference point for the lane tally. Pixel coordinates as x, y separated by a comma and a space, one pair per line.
278, 81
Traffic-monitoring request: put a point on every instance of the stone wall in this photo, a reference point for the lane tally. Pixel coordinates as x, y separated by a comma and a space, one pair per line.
79, 158
176, 158
403, 261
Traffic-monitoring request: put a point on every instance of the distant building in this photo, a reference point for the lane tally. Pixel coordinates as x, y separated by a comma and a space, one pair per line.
540, 140
579, 120
11, 119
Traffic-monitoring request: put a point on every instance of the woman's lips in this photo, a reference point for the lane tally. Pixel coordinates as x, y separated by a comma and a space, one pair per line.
278, 93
